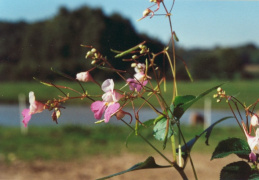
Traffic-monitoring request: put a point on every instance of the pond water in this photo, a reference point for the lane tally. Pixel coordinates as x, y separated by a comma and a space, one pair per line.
79, 115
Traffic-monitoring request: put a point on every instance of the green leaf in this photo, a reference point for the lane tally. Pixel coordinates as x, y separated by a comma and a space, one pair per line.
147, 164
231, 146
254, 175
237, 170
128, 51
180, 100
160, 130
158, 118
171, 111
44, 83
182, 103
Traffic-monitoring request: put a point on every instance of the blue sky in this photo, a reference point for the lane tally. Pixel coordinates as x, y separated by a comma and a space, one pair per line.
198, 23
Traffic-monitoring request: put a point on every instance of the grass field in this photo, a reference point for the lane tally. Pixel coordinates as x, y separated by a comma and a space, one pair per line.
74, 142
245, 91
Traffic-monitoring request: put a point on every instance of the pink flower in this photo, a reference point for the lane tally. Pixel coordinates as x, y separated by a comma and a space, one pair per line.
109, 105
140, 77
35, 107
84, 77
253, 142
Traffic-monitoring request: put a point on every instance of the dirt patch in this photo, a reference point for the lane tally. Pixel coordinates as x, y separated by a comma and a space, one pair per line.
99, 166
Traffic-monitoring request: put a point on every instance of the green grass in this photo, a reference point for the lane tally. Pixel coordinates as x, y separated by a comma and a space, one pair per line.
74, 142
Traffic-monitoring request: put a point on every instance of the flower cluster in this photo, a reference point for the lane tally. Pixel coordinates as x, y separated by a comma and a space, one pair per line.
109, 105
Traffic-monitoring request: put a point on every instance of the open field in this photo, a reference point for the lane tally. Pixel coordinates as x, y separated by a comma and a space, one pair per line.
73, 152
245, 91
73, 142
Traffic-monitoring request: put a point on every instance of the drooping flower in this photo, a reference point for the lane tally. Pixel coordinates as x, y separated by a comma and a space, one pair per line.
140, 78
35, 107
109, 105
253, 142
84, 77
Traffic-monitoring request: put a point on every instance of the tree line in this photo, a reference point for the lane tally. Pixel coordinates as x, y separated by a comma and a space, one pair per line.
30, 49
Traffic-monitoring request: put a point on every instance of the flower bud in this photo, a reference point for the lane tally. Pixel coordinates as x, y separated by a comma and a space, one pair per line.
93, 62
88, 54
84, 76
134, 57
93, 50
219, 89
120, 114
215, 95
146, 12
133, 65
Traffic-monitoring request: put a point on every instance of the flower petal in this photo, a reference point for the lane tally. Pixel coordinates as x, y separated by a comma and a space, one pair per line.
110, 110
98, 108
35, 106
26, 117
108, 85
254, 120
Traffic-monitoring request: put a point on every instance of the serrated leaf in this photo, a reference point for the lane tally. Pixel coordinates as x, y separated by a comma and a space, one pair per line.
182, 103
237, 170
147, 164
231, 146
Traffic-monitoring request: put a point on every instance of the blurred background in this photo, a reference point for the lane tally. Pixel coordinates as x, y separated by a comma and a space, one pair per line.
219, 41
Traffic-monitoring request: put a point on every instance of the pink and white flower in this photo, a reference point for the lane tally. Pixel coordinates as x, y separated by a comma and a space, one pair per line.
253, 142
140, 78
109, 105
35, 107
84, 77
